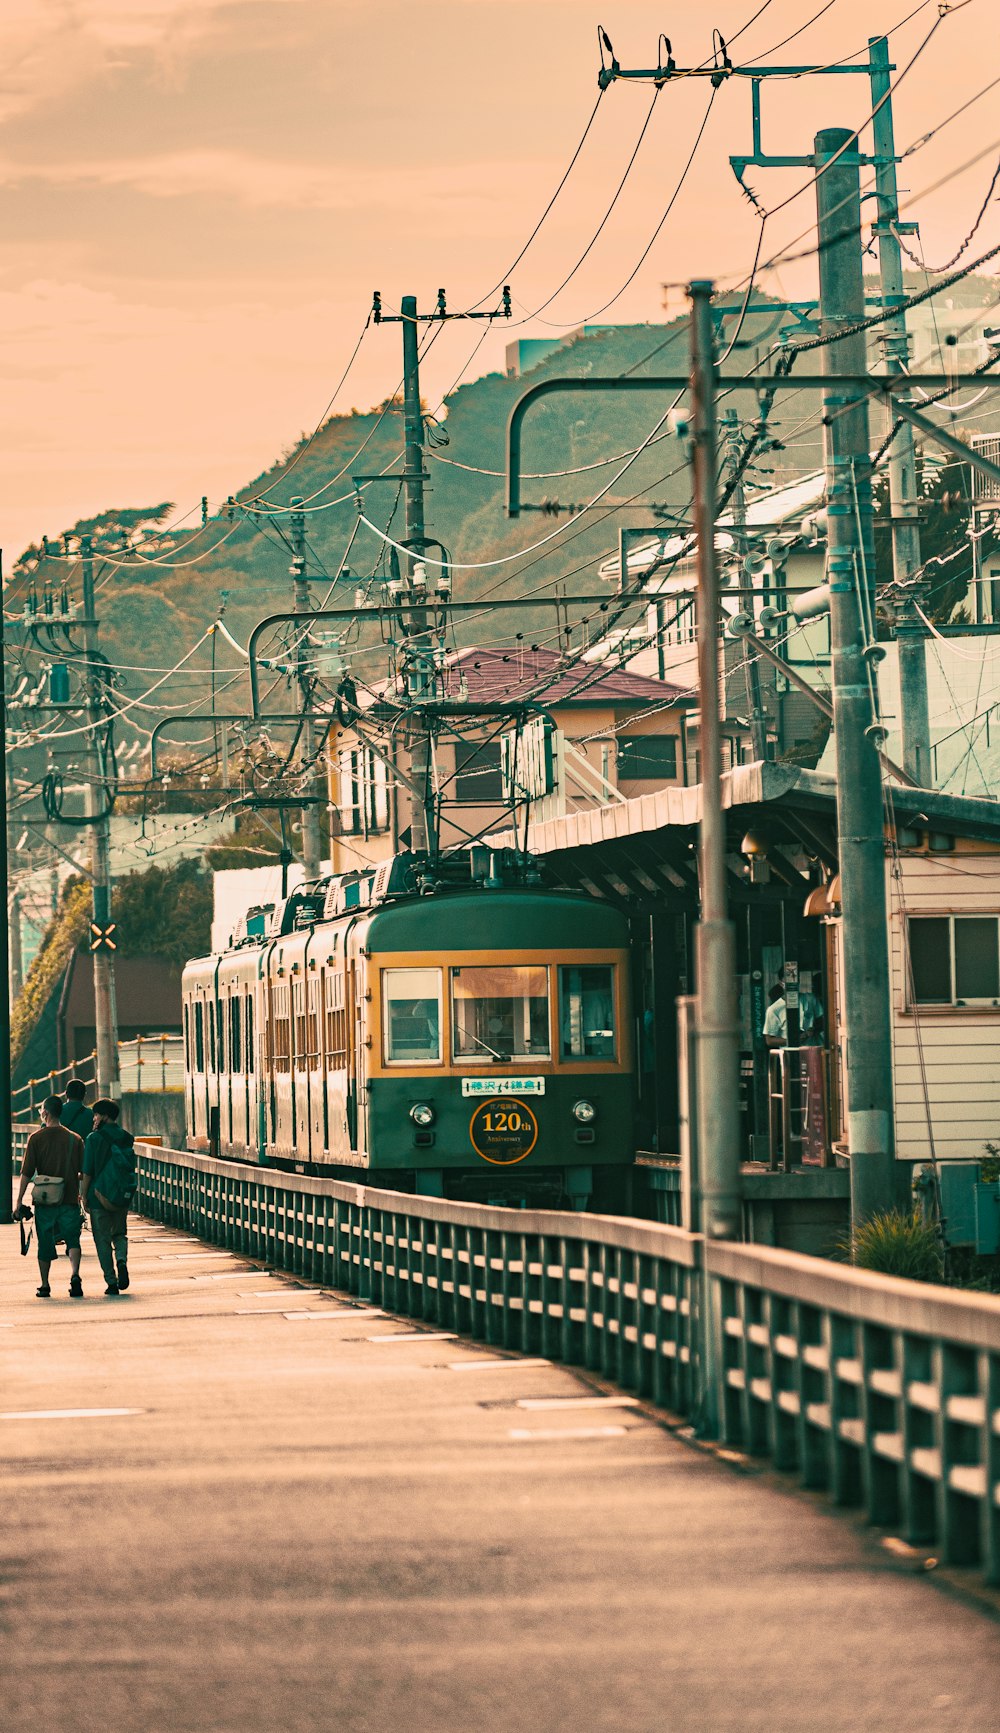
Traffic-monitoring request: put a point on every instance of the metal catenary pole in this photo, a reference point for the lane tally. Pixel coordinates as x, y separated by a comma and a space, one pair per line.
715, 949
418, 658
311, 838
911, 633
864, 928
99, 827
6, 1105
751, 663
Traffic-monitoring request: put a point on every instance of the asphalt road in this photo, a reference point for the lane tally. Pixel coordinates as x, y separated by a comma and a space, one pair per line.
310, 1518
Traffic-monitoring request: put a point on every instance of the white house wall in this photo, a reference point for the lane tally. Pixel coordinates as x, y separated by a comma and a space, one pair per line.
957, 1050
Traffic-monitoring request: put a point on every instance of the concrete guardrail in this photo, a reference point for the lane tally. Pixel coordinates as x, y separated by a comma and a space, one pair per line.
884, 1392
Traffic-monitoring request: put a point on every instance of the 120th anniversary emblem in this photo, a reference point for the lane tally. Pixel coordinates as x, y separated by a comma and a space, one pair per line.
503, 1131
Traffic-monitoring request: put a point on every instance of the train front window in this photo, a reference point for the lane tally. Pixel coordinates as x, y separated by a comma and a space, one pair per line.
501, 1013
586, 1011
411, 1001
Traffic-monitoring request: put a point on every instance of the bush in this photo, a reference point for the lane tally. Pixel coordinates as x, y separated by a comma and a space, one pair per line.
898, 1243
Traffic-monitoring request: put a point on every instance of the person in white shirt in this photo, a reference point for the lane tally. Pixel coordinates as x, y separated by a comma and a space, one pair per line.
810, 1019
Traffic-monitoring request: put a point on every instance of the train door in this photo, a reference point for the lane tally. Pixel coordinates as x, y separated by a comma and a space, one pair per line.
314, 1020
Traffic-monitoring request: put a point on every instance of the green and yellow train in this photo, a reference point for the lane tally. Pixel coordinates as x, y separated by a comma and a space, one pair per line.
468, 1039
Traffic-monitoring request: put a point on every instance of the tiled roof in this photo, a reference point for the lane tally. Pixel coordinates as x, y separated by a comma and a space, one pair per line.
541, 676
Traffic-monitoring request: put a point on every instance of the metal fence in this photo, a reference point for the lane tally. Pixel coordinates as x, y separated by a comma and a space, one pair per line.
884, 1392
148, 1064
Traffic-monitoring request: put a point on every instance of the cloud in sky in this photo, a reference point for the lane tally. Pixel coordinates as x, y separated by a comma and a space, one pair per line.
198, 196
258, 181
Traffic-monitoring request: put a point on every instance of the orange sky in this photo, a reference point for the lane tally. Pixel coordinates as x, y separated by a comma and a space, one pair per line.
198, 197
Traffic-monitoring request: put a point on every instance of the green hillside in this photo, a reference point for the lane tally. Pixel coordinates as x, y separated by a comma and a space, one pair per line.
157, 611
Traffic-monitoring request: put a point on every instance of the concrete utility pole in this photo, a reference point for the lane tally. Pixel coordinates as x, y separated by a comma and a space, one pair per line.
6, 1105
751, 662
99, 826
911, 633
715, 948
419, 647
311, 839
864, 930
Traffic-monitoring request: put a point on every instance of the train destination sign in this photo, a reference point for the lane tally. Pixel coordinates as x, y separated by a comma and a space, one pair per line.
503, 1131
503, 1085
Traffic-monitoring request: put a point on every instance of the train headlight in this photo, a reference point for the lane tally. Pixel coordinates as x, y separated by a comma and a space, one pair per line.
584, 1112
422, 1113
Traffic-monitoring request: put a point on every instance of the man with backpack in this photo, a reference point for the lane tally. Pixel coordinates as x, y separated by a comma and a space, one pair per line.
76, 1115
109, 1185
52, 1163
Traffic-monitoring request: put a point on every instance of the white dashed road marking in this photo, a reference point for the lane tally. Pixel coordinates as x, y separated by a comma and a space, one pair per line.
524, 1434
417, 1336
578, 1402
493, 1362
69, 1413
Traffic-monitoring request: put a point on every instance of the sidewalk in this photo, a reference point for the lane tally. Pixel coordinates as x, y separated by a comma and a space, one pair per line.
298, 1515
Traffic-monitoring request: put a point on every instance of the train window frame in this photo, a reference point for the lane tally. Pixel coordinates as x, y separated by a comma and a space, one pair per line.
248, 1034
584, 1058
528, 1055
199, 1038
210, 1019
430, 973
282, 1032
236, 1033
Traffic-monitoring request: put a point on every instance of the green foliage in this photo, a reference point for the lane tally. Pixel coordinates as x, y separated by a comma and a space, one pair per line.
254, 845
989, 1164
58, 944
164, 912
898, 1243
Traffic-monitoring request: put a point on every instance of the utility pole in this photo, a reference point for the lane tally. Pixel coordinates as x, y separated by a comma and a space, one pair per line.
911, 633
419, 647
311, 840
715, 947
751, 663
98, 815
6, 1104
16, 974
864, 929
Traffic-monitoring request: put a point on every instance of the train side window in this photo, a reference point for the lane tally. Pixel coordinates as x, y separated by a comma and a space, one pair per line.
587, 1011
248, 1032
187, 1039
299, 1010
411, 1002
235, 1033
210, 1018
312, 1024
282, 1031
199, 1037
336, 1023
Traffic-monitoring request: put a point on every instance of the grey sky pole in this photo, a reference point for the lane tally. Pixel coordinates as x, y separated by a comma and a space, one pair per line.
419, 645
311, 842
715, 950
864, 929
6, 1114
99, 828
911, 633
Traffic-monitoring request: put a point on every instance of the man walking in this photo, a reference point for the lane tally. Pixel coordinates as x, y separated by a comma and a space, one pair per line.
76, 1115
108, 1189
56, 1154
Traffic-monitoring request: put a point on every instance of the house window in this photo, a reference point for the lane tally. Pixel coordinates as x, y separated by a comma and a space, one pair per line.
477, 772
364, 792
647, 758
954, 959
